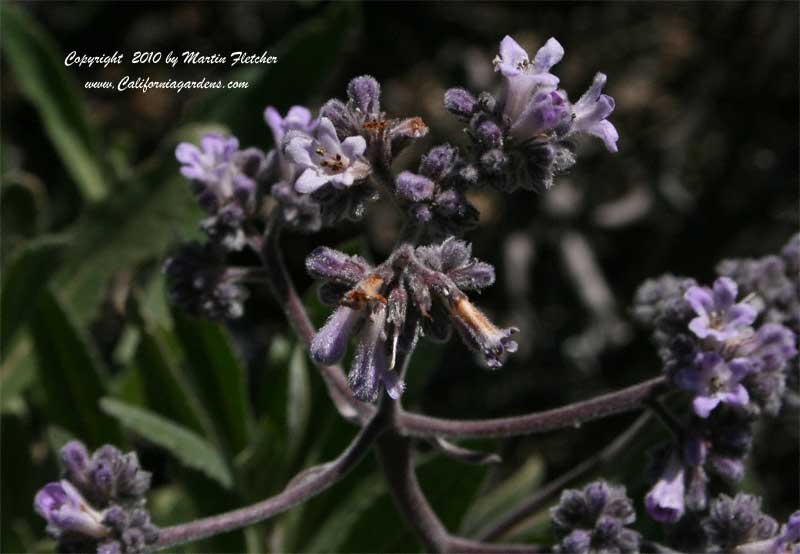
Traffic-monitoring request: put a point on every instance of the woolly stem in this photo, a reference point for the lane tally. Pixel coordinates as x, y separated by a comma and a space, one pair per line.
571, 415
285, 293
396, 457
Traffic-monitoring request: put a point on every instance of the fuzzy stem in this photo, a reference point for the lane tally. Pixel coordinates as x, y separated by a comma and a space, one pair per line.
571, 415
397, 461
547, 493
283, 289
309, 483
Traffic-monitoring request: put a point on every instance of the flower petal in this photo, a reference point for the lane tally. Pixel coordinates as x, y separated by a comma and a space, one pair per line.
310, 180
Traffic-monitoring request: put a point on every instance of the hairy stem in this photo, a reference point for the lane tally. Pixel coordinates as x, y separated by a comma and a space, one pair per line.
309, 483
396, 457
625, 400
551, 490
285, 293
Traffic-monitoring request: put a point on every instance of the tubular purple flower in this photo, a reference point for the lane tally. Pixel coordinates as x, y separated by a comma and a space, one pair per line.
665, 501
365, 93
66, 511
718, 315
460, 103
325, 159
523, 78
545, 112
714, 380
330, 342
480, 334
298, 118
332, 265
413, 187
788, 542
591, 113
369, 363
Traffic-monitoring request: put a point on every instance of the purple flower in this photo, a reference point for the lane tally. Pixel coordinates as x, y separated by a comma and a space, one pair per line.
523, 77
298, 118
330, 343
788, 542
546, 111
665, 501
67, 511
718, 315
591, 111
736, 521
714, 380
325, 159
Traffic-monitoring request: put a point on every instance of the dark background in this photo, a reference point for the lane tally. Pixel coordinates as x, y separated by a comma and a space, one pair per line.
707, 112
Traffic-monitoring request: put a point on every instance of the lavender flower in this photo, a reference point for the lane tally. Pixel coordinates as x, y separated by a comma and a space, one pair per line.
594, 520
99, 505
298, 118
324, 159
788, 542
718, 315
736, 521
224, 180
522, 138
713, 380
67, 511
413, 291
199, 282
722, 359
665, 502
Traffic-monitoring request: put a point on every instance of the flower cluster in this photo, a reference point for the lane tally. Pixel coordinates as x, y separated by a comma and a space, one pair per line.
522, 138
199, 281
714, 446
224, 179
594, 520
415, 290
361, 116
710, 347
774, 282
99, 504
435, 196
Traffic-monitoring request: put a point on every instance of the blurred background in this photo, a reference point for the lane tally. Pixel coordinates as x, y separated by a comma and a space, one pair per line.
92, 202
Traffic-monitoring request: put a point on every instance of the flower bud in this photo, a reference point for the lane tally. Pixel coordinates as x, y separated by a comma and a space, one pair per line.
460, 103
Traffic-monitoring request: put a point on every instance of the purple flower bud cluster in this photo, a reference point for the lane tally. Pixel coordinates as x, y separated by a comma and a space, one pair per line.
594, 520
99, 504
224, 179
199, 281
788, 542
416, 290
522, 138
716, 446
737, 521
435, 194
361, 116
710, 347
773, 280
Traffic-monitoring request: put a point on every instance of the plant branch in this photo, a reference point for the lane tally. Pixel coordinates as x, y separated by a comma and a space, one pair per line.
309, 483
285, 293
543, 496
625, 400
397, 461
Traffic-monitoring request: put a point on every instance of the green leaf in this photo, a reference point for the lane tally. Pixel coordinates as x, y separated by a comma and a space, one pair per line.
299, 404
17, 374
24, 277
187, 447
133, 226
335, 530
165, 388
219, 378
509, 492
311, 50
70, 372
44, 80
